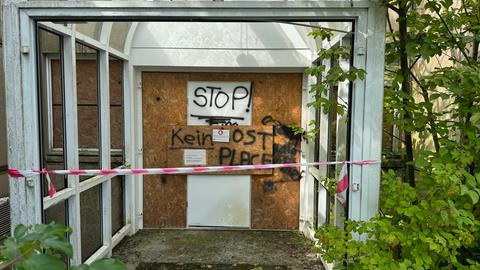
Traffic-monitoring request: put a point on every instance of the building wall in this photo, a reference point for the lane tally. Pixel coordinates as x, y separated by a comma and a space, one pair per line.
423, 140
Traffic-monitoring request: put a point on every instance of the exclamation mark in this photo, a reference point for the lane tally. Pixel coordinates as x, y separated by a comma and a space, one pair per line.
250, 97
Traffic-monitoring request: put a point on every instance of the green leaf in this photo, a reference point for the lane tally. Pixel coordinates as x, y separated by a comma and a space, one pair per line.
59, 245
42, 261
20, 231
475, 118
80, 267
10, 249
110, 264
473, 195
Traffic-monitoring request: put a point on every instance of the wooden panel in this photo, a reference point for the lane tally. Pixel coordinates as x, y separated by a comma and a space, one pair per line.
116, 83
87, 98
87, 82
247, 146
164, 196
275, 198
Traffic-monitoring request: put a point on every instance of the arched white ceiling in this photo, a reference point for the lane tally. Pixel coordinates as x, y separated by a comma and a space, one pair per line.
209, 44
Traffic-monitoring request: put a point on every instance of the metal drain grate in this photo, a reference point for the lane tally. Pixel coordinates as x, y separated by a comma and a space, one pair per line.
4, 217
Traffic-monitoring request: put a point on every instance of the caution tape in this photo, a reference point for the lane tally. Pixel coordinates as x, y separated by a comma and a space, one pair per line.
179, 170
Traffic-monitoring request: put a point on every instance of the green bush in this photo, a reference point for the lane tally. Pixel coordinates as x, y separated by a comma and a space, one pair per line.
430, 217
44, 246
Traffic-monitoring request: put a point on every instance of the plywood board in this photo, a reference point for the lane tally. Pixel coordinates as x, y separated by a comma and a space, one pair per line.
87, 100
275, 197
246, 146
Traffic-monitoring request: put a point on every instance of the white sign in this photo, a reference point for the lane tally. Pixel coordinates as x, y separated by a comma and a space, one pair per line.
220, 135
227, 103
195, 157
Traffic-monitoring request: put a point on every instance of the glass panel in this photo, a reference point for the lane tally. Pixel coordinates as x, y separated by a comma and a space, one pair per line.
118, 213
119, 34
4, 192
339, 140
88, 108
91, 221
116, 112
91, 29
57, 213
117, 142
51, 97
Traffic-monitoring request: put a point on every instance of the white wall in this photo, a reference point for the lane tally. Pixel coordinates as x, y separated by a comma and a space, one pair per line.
234, 45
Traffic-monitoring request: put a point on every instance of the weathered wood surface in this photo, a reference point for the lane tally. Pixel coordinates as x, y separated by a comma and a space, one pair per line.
247, 146
275, 197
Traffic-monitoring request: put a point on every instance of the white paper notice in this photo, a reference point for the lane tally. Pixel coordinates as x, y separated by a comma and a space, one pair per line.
195, 157
220, 135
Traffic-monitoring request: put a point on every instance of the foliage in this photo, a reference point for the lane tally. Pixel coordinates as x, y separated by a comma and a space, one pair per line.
430, 219
327, 78
44, 246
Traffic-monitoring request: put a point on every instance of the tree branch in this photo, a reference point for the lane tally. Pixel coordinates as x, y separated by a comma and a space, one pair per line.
454, 39
431, 117
394, 136
406, 88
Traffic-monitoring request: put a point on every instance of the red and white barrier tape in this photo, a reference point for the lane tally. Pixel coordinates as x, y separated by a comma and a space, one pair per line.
181, 170
341, 186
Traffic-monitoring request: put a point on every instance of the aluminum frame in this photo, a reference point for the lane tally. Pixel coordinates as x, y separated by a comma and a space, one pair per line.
21, 92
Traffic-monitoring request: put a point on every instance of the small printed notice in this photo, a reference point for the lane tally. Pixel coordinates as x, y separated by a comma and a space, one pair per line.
220, 135
195, 157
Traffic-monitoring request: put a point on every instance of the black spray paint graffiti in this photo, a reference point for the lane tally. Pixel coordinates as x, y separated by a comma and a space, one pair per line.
211, 96
218, 120
285, 153
228, 155
215, 97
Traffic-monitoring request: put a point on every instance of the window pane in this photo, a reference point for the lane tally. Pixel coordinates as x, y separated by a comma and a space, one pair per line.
57, 213
91, 29
339, 95
117, 142
91, 221
88, 108
118, 213
119, 34
116, 113
51, 97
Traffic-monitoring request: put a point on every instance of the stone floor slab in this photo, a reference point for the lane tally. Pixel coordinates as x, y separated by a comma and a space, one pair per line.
216, 250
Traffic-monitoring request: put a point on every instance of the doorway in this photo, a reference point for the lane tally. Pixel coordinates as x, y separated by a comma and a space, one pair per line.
272, 197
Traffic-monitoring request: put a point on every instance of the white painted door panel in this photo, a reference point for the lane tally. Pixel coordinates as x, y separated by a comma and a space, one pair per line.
218, 201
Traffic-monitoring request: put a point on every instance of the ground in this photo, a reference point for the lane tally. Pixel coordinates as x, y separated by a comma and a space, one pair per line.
215, 250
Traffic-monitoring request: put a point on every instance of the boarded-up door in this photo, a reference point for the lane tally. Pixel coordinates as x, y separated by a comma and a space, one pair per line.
276, 100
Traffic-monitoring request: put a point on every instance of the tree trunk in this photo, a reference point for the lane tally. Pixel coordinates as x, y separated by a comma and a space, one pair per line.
406, 88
